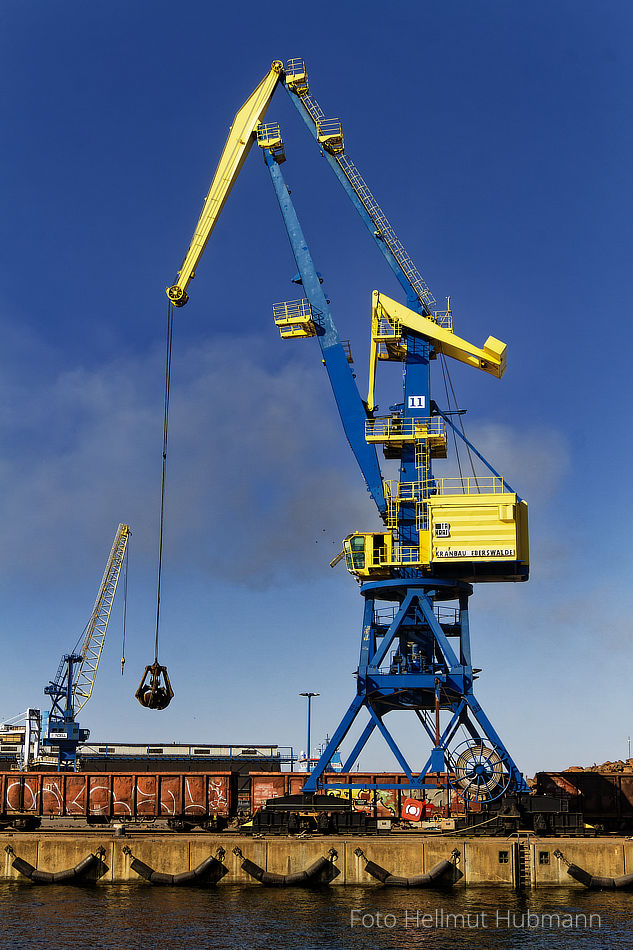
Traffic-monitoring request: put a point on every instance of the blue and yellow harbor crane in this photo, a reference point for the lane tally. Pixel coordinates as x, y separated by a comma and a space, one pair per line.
73, 684
439, 534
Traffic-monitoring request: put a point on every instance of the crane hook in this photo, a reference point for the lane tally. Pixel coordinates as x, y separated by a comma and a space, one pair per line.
153, 693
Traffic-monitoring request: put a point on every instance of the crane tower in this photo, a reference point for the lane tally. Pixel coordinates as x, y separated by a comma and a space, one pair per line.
439, 535
74, 681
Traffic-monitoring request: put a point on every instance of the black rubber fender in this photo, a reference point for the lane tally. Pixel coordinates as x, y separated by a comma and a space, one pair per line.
185, 877
437, 874
74, 875
595, 883
299, 878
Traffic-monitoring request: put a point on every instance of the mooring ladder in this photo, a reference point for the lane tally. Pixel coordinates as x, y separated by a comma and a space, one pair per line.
524, 864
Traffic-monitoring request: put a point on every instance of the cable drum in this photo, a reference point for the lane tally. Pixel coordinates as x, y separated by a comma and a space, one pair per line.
480, 773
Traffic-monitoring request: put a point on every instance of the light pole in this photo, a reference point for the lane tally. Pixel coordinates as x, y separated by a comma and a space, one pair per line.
309, 698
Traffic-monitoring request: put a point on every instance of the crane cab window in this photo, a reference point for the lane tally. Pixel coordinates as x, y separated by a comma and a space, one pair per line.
355, 553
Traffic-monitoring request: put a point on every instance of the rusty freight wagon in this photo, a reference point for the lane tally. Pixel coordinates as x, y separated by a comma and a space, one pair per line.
605, 798
183, 800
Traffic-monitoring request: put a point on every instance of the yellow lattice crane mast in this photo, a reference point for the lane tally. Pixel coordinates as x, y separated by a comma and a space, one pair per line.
72, 687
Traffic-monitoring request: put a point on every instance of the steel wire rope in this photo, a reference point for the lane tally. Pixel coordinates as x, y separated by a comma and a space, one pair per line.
124, 603
449, 382
448, 403
170, 330
81, 636
461, 425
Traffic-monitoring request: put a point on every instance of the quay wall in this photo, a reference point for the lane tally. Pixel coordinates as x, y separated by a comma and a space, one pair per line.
480, 861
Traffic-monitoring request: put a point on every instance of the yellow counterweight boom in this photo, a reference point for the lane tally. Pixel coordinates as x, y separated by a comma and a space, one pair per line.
238, 143
388, 319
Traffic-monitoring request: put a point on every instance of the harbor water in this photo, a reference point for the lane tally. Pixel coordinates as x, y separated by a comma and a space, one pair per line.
141, 917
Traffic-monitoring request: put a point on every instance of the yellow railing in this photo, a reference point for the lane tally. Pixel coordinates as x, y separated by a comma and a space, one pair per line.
403, 491
294, 318
387, 335
292, 310
387, 329
330, 134
297, 75
379, 557
406, 554
394, 427
269, 134
398, 493
444, 319
469, 485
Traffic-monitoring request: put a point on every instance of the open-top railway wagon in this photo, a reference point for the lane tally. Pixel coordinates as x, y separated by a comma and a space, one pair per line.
183, 800
564, 803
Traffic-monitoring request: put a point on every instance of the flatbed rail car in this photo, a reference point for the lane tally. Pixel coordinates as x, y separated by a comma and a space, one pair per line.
184, 800
378, 803
277, 807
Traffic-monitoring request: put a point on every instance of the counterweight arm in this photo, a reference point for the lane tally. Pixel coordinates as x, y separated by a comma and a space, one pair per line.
392, 319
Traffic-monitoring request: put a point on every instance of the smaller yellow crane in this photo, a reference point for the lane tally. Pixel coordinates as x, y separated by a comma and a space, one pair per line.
73, 684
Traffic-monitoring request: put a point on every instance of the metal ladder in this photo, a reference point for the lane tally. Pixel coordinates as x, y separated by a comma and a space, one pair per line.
375, 212
523, 865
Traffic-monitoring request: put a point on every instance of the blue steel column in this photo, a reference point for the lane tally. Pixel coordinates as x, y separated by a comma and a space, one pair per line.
309, 698
348, 401
416, 405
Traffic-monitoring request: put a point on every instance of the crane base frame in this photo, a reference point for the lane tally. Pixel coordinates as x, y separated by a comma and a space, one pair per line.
430, 674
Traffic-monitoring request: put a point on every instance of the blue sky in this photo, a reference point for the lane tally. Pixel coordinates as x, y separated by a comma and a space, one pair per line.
497, 137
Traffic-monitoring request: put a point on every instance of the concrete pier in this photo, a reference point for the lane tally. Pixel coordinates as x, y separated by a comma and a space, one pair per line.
527, 862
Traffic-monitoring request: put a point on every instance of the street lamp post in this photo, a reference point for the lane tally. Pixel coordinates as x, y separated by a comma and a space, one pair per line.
309, 698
